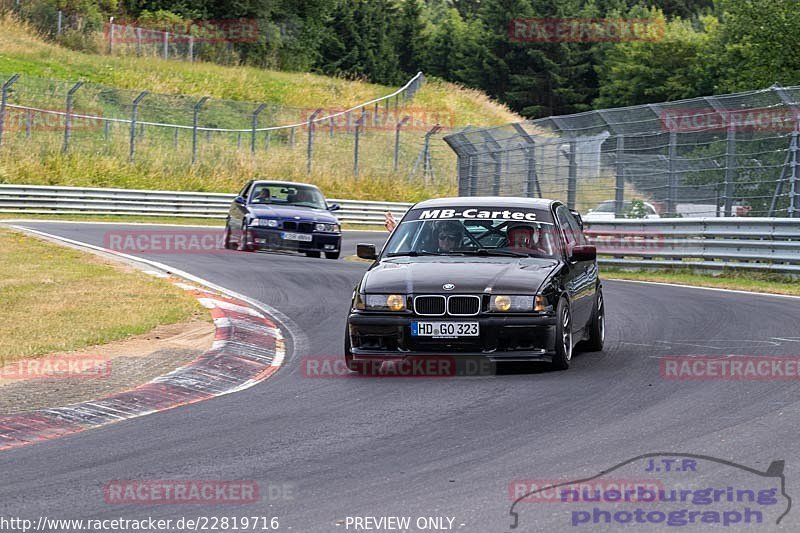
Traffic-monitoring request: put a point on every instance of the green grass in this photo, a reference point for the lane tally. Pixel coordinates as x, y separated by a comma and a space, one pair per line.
223, 163
742, 281
57, 299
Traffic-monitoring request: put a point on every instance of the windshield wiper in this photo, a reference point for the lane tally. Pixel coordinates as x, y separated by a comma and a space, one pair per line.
413, 253
489, 252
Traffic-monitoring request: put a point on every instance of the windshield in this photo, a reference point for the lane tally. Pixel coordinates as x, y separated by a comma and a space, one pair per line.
499, 231
281, 194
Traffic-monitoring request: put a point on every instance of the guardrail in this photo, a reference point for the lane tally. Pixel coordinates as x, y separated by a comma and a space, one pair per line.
38, 199
766, 244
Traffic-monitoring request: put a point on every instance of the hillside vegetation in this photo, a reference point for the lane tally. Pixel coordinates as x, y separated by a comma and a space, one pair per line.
224, 162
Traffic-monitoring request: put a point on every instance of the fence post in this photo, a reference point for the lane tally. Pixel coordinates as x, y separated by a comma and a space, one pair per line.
671, 176
166, 45
138, 41
175, 138
619, 190
375, 116
106, 130
60, 23
254, 126
134, 117
397, 140
359, 122
195, 119
794, 204
68, 116
427, 168
191, 49
730, 168
291, 137
311, 128
572, 180
331, 127
532, 182
111, 37
4, 102
28, 123
266, 141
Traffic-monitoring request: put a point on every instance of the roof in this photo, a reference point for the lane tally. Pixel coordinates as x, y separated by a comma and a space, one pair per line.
487, 201
287, 183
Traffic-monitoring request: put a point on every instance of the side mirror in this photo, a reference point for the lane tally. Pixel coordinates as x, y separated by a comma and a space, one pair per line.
366, 251
586, 252
239, 200
334, 207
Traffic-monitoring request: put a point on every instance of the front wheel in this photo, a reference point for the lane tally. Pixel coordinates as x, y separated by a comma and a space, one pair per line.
597, 327
244, 236
563, 348
227, 236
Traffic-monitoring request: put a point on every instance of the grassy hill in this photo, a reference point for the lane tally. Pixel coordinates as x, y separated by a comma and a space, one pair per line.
225, 161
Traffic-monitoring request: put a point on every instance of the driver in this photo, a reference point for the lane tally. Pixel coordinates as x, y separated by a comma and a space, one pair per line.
525, 238
303, 196
264, 195
449, 235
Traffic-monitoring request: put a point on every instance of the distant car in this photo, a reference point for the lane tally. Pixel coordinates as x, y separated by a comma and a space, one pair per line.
605, 211
505, 279
283, 215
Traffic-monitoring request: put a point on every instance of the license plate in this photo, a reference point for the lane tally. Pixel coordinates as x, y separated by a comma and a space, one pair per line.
296, 237
445, 330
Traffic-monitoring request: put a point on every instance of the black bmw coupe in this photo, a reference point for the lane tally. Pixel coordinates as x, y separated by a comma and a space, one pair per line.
505, 279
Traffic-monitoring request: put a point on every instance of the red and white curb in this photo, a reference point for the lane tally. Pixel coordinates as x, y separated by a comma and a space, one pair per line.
248, 348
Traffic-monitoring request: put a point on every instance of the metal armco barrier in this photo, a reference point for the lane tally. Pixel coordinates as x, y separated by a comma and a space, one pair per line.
768, 244
37, 199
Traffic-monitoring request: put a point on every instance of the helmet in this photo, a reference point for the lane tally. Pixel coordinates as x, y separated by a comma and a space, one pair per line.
525, 236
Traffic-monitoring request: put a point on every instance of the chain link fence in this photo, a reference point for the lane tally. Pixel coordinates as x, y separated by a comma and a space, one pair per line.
717, 156
385, 135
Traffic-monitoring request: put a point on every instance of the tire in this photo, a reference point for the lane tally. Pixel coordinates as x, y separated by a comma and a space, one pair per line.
564, 338
597, 326
227, 237
332, 255
313, 254
242, 245
353, 366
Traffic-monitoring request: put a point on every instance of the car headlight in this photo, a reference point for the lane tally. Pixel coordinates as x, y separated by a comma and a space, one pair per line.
328, 228
507, 303
267, 222
380, 302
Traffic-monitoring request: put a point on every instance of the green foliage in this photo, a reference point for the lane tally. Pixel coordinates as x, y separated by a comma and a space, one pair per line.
706, 46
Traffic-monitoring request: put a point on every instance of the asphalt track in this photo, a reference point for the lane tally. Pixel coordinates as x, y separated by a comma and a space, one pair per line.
355, 446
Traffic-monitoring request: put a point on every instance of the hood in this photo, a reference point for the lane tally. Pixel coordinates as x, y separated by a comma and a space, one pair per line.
306, 214
426, 275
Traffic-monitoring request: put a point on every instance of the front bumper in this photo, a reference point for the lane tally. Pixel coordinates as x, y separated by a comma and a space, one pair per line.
502, 338
271, 239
